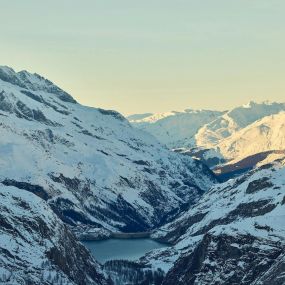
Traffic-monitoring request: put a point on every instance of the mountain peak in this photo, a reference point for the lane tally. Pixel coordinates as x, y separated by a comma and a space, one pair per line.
33, 82
250, 104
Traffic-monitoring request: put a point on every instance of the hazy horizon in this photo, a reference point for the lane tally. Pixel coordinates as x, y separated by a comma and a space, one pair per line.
151, 56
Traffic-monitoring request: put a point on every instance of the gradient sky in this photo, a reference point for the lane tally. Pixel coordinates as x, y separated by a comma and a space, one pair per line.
152, 55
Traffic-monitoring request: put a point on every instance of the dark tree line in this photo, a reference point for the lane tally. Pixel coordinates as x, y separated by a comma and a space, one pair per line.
125, 272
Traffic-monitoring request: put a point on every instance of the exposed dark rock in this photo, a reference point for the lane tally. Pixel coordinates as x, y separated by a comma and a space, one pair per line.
36, 189
243, 210
135, 222
112, 113
41, 100
182, 228
141, 162
224, 260
258, 185
276, 274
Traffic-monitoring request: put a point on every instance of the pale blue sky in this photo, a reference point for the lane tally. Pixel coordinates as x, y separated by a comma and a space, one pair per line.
151, 55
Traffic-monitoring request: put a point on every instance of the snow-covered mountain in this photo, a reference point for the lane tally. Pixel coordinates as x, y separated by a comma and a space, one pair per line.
90, 165
175, 129
257, 144
235, 234
262, 135
234, 120
62, 164
37, 248
230, 137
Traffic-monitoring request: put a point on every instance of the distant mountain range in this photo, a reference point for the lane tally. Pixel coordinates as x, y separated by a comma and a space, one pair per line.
267, 133
220, 137
175, 129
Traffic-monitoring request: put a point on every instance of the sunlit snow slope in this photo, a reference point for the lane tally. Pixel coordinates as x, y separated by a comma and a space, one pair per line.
175, 129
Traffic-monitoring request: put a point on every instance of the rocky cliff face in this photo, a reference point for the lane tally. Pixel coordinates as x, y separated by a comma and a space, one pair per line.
227, 259
89, 165
37, 248
235, 234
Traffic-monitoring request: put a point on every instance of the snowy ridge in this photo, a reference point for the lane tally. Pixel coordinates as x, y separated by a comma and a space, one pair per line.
265, 134
90, 165
258, 144
33, 82
176, 129
234, 120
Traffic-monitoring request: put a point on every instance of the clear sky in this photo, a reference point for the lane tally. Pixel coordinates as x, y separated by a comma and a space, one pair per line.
153, 55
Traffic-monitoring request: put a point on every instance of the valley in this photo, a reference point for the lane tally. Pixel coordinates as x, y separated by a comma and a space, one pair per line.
142, 142
89, 197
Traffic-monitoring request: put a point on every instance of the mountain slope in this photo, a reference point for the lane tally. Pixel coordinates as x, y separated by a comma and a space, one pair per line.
263, 135
236, 168
37, 248
234, 120
175, 129
89, 164
235, 234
